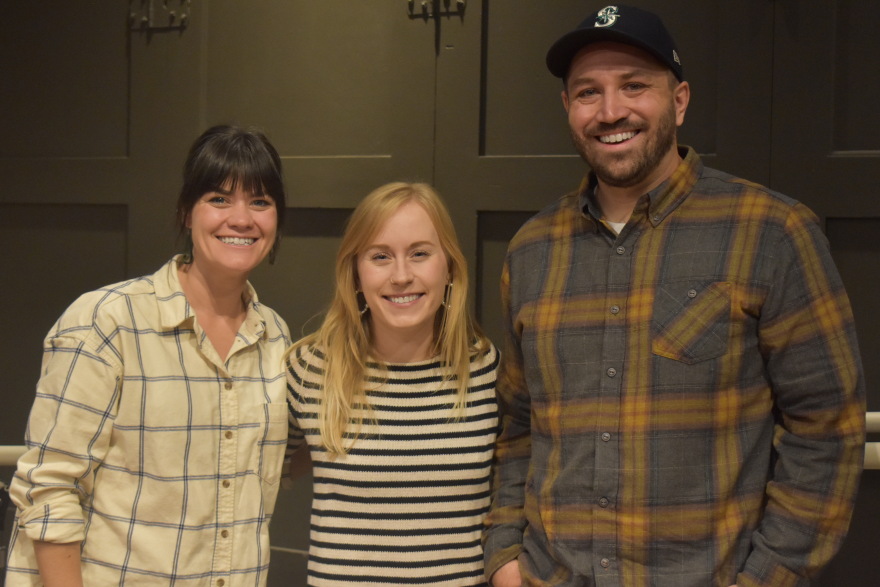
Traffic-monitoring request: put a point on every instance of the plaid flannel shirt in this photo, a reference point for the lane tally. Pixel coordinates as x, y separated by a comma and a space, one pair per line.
683, 403
160, 457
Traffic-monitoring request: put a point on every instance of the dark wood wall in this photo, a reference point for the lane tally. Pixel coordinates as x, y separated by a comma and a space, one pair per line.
97, 112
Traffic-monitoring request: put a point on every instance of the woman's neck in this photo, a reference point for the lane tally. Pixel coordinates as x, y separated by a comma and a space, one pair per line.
220, 296
398, 346
217, 303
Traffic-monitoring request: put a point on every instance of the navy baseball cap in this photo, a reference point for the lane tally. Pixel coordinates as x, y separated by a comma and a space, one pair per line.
624, 24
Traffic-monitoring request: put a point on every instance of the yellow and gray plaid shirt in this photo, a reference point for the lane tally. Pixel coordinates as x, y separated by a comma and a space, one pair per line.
162, 458
683, 403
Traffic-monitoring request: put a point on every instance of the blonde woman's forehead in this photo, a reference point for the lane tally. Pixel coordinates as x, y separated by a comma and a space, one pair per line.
409, 225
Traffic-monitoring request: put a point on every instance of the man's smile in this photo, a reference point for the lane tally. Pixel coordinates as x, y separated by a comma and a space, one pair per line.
617, 138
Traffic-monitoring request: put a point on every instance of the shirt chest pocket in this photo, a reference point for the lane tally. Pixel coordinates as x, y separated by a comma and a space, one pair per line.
691, 322
271, 442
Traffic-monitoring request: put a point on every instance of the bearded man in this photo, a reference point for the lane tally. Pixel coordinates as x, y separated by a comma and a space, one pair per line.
682, 396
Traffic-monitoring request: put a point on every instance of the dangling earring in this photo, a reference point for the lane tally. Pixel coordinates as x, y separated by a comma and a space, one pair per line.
188, 248
357, 293
274, 250
447, 294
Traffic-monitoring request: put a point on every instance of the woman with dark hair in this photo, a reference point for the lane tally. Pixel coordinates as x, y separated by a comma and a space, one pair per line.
157, 436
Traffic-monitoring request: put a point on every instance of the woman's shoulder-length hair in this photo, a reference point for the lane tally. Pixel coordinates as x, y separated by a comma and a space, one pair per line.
344, 338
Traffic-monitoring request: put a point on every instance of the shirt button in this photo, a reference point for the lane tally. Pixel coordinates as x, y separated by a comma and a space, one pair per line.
615, 309
611, 372
228, 385
692, 293
228, 434
606, 436
604, 562
621, 250
656, 218
225, 533
603, 502
226, 483
220, 582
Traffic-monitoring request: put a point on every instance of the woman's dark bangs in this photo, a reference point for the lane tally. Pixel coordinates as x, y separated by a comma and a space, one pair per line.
250, 172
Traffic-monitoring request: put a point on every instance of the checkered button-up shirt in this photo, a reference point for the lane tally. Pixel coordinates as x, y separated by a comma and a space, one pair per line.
160, 457
682, 403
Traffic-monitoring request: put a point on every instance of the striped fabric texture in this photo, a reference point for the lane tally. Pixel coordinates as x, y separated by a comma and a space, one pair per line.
405, 506
160, 457
682, 404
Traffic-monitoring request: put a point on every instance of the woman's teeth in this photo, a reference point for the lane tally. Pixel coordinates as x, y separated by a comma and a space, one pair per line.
404, 299
234, 240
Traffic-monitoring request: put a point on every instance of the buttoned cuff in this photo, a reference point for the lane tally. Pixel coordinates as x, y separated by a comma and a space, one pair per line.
59, 522
762, 571
501, 546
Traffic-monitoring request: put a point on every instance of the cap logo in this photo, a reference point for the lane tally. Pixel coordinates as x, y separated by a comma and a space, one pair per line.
607, 16
675, 56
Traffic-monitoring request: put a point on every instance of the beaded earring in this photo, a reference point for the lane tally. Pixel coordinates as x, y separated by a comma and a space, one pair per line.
188, 249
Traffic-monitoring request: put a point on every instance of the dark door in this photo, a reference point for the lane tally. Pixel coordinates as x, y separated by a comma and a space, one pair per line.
826, 153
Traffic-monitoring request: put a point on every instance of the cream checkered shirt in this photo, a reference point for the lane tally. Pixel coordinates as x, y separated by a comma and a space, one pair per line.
146, 446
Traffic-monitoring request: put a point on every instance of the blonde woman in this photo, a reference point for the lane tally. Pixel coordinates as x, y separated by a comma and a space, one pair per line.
395, 397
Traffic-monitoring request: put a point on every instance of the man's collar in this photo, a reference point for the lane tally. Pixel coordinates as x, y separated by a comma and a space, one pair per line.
663, 199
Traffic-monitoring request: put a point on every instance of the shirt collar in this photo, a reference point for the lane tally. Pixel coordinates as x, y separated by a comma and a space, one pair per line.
175, 311
663, 199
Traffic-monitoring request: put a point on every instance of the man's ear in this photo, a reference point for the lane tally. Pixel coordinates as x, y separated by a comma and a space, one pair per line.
565, 103
681, 96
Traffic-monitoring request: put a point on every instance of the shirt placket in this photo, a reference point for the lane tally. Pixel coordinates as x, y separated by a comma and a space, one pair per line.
618, 277
229, 441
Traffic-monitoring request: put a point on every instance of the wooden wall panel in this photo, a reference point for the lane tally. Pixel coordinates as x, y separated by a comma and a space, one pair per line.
494, 231
856, 251
67, 97
345, 90
856, 79
301, 283
58, 252
55, 253
823, 108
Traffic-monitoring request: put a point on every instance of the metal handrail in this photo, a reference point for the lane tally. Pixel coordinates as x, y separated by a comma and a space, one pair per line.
296, 551
872, 422
9, 454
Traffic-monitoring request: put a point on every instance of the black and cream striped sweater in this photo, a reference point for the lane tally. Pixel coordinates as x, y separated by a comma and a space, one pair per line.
405, 506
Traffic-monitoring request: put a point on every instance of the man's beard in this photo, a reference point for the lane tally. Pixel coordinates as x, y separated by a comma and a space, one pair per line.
627, 169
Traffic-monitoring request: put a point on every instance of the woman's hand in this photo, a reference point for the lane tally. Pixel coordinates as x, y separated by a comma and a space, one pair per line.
508, 575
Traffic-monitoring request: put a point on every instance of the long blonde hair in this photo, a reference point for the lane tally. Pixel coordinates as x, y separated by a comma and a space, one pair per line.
345, 339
